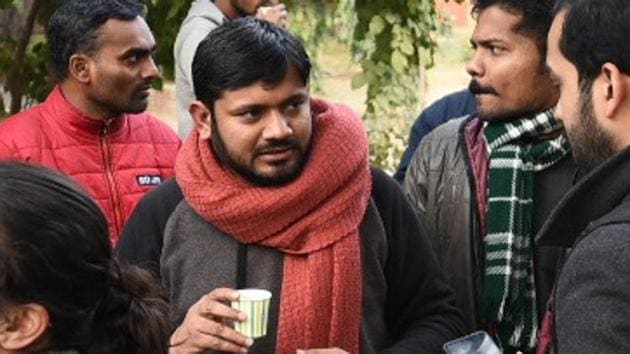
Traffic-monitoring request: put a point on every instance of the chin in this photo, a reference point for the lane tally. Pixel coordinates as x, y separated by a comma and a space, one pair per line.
138, 108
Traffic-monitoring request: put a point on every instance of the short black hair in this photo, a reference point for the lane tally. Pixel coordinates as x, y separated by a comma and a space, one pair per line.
73, 28
536, 16
595, 32
242, 52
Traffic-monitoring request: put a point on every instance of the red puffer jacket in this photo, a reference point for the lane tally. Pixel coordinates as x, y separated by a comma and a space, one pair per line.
116, 162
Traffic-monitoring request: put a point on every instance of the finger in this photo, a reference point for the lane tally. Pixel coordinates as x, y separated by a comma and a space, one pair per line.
223, 294
280, 7
205, 342
212, 308
223, 331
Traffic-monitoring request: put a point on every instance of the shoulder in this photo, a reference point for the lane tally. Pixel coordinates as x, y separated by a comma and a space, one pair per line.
607, 244
146, 126
201, 20
449, 131
443, 141
601, 256
384, 187
21, 129
163, 199
391, 203
142, 238
26, 119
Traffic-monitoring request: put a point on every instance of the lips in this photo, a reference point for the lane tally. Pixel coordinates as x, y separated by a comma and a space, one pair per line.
277, 154
144, 90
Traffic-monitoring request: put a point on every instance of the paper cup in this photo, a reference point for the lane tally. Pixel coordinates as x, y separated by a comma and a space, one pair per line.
255, 304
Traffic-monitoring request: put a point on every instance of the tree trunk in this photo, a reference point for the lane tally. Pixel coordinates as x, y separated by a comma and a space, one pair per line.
14, 83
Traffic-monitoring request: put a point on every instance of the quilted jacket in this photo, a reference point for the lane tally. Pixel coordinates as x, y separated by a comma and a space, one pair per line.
117, 161
447, 183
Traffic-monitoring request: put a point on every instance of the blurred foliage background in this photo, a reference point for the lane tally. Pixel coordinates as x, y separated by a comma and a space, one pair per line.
390, 45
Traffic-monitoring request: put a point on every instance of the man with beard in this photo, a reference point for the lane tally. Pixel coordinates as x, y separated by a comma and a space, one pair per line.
273, 190
203, 17
92, 126
589, 56
486, 183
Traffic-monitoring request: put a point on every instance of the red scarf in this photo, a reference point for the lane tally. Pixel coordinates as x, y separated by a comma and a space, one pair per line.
314, 221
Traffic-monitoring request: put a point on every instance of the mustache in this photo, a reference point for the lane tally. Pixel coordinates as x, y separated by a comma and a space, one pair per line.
476, 89
290, 143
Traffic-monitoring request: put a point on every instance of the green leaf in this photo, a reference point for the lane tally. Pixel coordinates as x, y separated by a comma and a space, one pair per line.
392, 18
377, 25
406, 45
358, 80
399, 61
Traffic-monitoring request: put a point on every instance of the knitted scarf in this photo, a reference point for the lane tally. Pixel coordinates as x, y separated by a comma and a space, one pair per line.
516, 152
314, 220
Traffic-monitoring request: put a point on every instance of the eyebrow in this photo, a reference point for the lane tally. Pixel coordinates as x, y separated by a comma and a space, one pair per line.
257, 106
139, 51
296, 97
487, 42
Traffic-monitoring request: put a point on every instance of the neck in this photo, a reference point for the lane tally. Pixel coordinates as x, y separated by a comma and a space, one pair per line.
73, 93
227, 8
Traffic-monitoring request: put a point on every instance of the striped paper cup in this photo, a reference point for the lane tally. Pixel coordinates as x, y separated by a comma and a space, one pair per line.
255, 304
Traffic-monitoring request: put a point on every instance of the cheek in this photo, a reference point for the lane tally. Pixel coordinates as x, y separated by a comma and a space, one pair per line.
240, 140
568, 105
303, 131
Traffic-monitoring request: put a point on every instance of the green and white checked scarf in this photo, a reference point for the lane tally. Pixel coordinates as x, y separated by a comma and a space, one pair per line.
515, 156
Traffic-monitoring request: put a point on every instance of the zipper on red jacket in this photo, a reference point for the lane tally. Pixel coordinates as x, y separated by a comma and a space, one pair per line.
111, 182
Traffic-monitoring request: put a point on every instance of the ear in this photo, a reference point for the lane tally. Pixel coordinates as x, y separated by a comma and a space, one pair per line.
79, 67
202, 117
24, 325
614, 89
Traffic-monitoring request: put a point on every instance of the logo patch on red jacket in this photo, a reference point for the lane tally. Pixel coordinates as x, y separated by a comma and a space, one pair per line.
149, 180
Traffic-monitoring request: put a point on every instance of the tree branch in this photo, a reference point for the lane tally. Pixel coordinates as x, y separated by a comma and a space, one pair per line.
14, 84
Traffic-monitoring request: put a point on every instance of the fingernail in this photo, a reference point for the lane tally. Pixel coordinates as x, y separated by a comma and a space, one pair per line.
249, 342
242, 316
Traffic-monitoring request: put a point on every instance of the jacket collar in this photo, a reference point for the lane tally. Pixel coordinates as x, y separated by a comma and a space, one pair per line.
588, 202
76, 122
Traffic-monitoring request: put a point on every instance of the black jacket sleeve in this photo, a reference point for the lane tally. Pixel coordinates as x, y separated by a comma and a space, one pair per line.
142, 238
420, 307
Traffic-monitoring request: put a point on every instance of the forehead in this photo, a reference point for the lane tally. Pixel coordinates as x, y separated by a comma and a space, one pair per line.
119, 35
496, 22
554, 55
261, 93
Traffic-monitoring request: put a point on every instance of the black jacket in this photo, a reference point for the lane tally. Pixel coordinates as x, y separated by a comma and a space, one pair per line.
592, 296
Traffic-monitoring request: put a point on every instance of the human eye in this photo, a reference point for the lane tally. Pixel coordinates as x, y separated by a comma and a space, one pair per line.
496, 50
296, 105
250, 115
133, 59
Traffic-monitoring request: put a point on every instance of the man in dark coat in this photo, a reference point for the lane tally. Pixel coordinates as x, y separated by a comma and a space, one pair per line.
486, 183
589, 56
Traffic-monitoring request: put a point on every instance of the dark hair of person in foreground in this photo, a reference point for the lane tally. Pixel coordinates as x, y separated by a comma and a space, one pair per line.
60, 288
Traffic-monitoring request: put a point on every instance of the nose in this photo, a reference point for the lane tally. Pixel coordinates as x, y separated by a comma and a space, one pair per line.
278, 127
475, 67
150, 71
